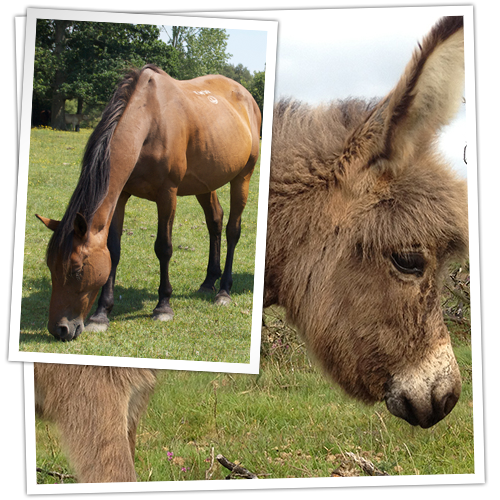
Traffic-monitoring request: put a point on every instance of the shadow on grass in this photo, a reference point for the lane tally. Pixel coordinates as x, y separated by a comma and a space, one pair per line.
133, 305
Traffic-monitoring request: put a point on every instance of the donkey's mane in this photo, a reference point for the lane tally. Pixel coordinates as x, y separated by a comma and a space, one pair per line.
93, 183
426, 199
314, 137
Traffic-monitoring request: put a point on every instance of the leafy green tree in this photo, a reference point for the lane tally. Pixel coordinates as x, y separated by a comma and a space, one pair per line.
84, 60
239, 73
201, 51
256, 88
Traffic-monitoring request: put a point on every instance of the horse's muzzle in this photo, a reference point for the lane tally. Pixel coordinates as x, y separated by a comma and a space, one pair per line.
65, 330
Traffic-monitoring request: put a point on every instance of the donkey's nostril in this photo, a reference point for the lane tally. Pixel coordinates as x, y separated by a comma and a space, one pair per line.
449, 403
400, 406
410, 414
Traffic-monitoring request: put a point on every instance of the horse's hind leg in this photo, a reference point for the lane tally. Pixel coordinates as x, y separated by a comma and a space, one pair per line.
213, 216
99, 321
239, 195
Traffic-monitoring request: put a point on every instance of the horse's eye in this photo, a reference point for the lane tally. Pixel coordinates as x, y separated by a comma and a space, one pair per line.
409, 263
77, 273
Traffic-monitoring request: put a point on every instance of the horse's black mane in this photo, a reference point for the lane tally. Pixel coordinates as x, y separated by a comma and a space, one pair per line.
93, 183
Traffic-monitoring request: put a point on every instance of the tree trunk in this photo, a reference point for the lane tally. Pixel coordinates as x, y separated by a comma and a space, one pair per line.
79, 111
59, 99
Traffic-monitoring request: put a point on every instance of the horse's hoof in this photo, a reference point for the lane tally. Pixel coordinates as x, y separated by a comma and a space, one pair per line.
165, 316
96, 327
222, 299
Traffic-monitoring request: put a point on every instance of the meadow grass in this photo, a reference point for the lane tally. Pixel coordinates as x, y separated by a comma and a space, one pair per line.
289, 421
279, 425
199, 331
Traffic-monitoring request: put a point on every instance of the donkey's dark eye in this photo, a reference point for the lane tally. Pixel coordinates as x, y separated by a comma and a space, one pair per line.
409, 263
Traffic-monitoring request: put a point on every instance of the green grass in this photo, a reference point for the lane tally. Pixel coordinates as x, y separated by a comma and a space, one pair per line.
200, 331
286, 422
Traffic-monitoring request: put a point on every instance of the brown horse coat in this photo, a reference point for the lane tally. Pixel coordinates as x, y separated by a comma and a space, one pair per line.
159, 138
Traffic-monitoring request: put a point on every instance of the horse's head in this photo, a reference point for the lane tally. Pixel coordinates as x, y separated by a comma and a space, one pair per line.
77, 275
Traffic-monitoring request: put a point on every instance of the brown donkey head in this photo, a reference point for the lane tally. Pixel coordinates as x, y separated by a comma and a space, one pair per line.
364, 217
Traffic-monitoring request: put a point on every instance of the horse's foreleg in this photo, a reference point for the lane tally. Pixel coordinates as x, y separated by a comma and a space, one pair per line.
239, 196
99, 320
213, 216
163, 249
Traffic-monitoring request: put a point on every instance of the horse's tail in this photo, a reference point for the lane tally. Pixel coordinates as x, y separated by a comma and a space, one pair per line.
93, 183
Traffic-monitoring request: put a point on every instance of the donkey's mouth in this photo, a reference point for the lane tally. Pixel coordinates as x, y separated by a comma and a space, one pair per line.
423, 411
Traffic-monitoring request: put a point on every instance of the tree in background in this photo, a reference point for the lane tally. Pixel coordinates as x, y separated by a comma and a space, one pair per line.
83, 61
239, 73
256, 88
201, 51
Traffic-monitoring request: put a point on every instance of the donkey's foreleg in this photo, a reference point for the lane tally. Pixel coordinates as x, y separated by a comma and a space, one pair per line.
91, 407
239, 196
213, 217
99, 321
163, 249
100, 452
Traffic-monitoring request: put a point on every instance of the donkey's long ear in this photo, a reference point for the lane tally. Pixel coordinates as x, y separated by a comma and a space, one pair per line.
429, 93
425, 99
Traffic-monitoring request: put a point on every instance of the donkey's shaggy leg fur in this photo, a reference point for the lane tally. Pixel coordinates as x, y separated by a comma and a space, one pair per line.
97, 410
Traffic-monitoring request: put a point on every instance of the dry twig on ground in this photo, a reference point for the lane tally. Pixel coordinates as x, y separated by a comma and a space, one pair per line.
236, 469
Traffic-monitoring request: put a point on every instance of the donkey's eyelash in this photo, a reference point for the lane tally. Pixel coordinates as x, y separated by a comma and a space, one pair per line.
409, 263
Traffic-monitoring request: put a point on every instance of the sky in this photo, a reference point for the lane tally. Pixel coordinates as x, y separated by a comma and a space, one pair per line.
335, 54
247, 47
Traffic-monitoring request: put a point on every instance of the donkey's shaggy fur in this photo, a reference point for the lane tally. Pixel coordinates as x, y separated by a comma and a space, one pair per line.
364, 217
97, 409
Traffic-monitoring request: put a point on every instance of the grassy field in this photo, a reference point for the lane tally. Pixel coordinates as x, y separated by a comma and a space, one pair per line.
200, 331
288, 421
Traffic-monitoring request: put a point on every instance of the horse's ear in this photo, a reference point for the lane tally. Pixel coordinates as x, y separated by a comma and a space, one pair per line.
80, 226
50, 223
429, 93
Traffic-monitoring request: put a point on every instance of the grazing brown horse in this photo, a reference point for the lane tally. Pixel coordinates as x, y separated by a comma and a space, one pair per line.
364, 217
159, 138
